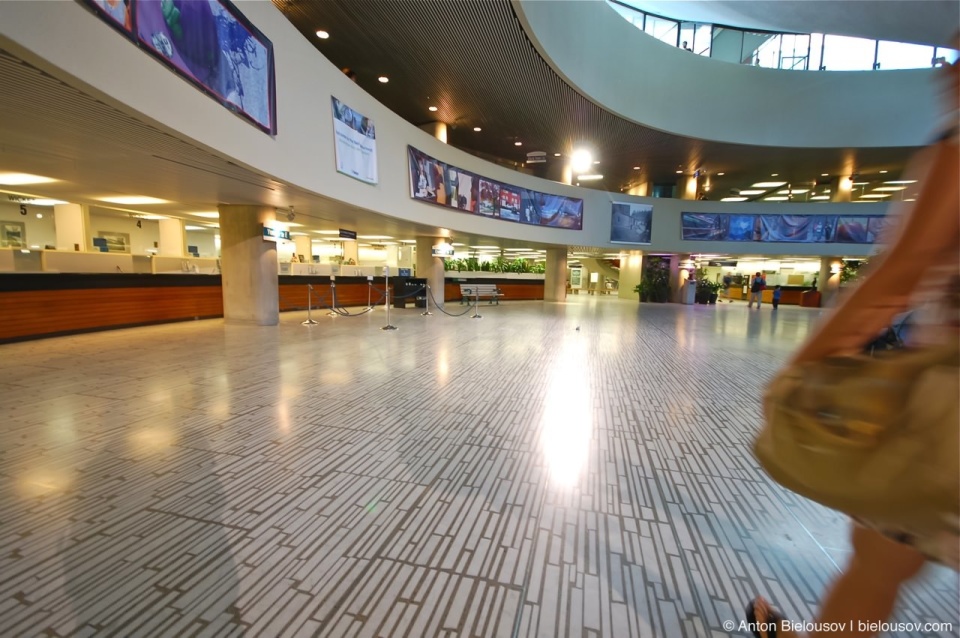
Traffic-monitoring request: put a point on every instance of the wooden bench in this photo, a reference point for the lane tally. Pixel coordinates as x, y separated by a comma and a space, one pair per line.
480, 291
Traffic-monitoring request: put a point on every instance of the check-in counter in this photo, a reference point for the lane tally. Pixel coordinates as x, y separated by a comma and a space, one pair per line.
789, 295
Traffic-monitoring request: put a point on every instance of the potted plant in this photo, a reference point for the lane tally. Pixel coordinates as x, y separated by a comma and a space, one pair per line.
641, 290
657, 276
707, 291
715, 288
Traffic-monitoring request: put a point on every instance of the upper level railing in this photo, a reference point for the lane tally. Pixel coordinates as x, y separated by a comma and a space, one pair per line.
793, 51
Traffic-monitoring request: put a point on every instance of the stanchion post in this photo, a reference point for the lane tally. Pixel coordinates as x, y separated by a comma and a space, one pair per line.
386, 285
426, 312
309, 321
369, 289
476, 305
333, 296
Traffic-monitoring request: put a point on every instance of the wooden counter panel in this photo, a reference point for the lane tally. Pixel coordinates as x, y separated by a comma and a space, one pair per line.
40, 312
294, 297
511, 291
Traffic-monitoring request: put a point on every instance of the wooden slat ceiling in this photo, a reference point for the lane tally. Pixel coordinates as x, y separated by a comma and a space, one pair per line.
474, 62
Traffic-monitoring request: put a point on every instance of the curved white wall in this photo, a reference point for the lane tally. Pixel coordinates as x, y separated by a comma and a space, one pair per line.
636, 76
70, 43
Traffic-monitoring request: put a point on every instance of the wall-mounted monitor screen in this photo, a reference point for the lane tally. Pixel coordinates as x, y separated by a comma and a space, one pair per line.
445, 185
207, 42
800, 229
631, 223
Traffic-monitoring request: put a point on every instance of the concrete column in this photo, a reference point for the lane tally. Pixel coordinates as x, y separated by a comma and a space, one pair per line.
841, 189
173, 238
351, 250
687, 187
829, 280
405, 256
248, 266
304, 245
555, 279
631, 272
430, 267
72, 225
436, 129
675, 279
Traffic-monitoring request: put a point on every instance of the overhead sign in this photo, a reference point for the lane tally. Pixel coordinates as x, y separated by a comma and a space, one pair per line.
442, 250
348, 234
536, 157
274, 234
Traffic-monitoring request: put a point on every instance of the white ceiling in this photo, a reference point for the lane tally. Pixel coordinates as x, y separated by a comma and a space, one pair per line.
933, 22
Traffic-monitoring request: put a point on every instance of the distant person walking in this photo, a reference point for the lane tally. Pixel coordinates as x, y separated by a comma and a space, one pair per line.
776, 297
756, 290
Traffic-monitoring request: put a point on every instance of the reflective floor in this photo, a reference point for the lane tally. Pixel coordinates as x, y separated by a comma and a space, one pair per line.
576, 469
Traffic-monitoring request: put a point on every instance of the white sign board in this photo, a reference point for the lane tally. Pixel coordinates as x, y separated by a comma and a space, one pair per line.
355, 141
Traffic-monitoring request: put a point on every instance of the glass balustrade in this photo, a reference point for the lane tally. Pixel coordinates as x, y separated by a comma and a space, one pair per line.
790, 51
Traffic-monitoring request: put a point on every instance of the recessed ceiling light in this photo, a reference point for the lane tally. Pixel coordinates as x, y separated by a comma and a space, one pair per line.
210, 215
875, 196
733, 199
776, 198
819, 197
327, 232
455, 245
890, 188
768, 184
518, 143
18, 179
596, 161
483, 247
590, 178
860, 183
902, 181
556, 154
753, 192
636, 168
477, 129
679, 172
824, 174
432, 109
374, 237
133, 200
774, 174
721, 174
194, 227
293, 224
883, 172
323, 35
793, 191
383, 79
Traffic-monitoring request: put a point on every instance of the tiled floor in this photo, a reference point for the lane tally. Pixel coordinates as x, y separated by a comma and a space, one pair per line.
507, 476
